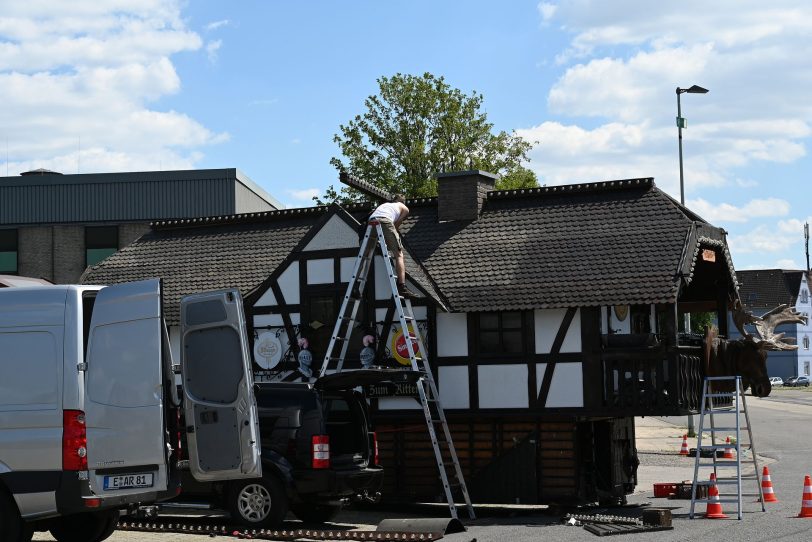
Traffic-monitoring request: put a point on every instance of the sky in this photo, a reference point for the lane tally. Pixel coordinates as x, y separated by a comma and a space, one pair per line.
263, 86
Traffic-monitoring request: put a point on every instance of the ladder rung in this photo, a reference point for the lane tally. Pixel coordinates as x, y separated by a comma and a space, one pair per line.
718, 500
743, 494
341, 338
732, 482
727, 429
717, 446
719, 464
725, 411
721, 395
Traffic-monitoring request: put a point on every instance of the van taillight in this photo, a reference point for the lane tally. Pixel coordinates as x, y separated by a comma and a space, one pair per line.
321, 452
74, 440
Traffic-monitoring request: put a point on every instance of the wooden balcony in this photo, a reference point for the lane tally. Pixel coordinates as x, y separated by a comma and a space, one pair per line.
642, 377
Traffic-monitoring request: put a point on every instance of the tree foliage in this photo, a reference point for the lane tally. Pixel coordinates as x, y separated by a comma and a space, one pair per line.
417, 126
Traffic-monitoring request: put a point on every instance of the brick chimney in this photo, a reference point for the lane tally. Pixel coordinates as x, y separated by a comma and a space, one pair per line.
460, 193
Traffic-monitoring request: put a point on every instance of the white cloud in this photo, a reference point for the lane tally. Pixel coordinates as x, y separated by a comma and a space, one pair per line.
614, 104
761, 239
787, 263
725, 212
793, 225
214, 25
87, 69
211, 49
546, 10
306, 194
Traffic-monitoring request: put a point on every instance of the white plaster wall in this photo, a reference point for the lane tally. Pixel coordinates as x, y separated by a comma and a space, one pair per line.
622, 327
453, 386
273, 320
398, 403
319, 271
567, 386
452, 334
382, 289
503, 386
288, 282
547, 322
346, 267
334, 234
266, 300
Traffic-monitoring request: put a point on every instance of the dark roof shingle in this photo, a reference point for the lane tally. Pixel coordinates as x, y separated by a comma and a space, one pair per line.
620, 242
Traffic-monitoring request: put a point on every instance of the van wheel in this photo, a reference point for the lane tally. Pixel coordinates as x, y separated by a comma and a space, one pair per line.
11, 524
85, 527
260, 502
314, 513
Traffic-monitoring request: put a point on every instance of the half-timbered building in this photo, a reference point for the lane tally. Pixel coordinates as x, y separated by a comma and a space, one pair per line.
551, 317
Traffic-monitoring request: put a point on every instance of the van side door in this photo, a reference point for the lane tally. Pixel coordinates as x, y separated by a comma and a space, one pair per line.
126, 448
222, 427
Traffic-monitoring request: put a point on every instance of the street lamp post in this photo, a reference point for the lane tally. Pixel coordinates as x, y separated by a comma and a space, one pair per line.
681, 123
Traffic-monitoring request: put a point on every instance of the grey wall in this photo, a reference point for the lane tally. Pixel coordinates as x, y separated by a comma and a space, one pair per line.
57, 253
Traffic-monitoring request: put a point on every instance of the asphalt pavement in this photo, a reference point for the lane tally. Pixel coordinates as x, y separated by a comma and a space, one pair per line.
782, 436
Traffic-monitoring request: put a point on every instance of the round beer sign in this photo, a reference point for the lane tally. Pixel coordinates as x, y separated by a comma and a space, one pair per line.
267, 350
399, 350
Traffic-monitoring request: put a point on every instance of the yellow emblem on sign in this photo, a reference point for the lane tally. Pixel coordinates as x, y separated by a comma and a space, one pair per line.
398, 347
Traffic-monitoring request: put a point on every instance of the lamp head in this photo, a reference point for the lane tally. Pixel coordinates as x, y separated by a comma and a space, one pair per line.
695, 89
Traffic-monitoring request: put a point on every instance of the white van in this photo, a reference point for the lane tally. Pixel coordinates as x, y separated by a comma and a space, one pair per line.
89, 413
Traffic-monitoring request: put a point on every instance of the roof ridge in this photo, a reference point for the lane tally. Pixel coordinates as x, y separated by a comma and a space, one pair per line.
600, 186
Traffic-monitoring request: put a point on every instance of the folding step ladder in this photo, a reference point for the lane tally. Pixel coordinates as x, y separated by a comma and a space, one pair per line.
429, 397
731, 403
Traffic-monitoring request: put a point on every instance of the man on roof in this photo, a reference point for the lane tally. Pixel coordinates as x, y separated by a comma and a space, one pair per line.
391, 215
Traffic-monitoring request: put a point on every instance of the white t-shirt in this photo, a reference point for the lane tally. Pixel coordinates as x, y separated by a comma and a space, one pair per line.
387, 210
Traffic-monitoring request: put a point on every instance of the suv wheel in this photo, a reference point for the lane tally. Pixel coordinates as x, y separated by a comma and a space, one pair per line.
85, 527
314, 513
260, 502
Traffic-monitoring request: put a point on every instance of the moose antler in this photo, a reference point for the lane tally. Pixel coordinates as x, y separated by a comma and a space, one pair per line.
741, 318
765, 327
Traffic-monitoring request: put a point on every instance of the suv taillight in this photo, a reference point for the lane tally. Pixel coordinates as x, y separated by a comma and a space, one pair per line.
74, 441
321, 452
375, 455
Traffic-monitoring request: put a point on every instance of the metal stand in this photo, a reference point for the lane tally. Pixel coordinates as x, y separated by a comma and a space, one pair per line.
418, 355
739, 405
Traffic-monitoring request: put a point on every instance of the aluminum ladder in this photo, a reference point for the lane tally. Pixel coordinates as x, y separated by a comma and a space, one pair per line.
710, 400
418, 356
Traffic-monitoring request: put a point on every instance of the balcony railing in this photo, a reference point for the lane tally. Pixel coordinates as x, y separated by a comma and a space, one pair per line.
650, 379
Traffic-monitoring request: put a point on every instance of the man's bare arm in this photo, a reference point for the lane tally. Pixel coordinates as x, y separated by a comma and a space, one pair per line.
404, 212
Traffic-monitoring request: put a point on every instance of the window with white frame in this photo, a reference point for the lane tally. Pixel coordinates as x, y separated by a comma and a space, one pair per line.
806, 342
804, 296
806, 368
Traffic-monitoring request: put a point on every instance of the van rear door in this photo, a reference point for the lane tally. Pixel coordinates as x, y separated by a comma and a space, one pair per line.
124, 417
222, 428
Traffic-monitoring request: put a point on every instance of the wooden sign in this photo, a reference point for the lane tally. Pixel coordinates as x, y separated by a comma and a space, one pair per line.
708, 255
391, 389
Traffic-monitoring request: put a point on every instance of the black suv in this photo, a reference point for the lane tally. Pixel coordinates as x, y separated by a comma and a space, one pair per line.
318, 452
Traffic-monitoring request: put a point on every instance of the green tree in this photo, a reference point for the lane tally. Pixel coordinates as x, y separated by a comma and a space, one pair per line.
518, 177
417, 126
701, 320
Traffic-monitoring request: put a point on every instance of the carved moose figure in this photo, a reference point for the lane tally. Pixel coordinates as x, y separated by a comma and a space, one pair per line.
748, 356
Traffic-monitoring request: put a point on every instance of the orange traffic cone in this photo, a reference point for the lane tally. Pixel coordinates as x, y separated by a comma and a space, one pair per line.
714, 510
684, 449
767, 486
806, 503
728, 451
